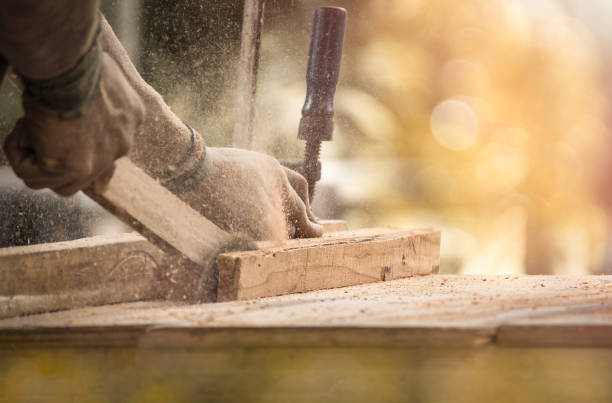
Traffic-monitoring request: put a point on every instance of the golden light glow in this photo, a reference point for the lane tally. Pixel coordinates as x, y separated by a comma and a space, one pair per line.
454, 125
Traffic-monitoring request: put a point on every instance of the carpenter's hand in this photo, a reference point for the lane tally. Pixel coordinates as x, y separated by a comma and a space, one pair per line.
67, 155
248, 192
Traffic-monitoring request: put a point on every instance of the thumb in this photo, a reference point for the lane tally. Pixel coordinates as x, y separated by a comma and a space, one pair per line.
297, 215
101, 183
300, 185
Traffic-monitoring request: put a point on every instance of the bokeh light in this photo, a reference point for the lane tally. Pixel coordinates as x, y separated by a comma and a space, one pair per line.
487, 119
454, 125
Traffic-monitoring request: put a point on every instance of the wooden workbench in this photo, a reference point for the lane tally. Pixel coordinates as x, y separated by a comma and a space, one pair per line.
432, 338
431, 310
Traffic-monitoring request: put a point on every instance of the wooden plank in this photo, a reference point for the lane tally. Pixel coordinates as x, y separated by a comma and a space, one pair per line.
189, 238
64, 275
170, 224
558, 335
252, 25
575, 326
91, 271
165, 336
158, 215
422, 310
348, 258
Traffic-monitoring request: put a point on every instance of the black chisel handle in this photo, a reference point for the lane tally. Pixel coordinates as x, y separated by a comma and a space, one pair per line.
323, 72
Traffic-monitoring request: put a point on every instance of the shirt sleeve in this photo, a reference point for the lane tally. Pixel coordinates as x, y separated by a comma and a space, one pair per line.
44, 38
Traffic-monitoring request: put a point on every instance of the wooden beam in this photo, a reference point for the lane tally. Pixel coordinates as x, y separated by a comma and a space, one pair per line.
442, 310
158, 215
90, 271
556, 335
170, 336
580, 325
190, 239
347, 258
122, 268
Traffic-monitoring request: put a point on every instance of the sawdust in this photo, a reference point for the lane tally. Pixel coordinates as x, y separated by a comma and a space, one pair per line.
444, 301
236, 189
235, 184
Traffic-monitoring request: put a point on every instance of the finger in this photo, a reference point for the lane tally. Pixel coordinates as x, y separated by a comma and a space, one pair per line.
23, 156
12, 149
101, 183
72, 187
35, 178
298, 217
23, 161
52, 181
300, 185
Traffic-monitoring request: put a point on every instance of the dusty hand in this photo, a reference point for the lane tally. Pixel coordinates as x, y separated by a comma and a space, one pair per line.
248, 192
240, 191
67, 155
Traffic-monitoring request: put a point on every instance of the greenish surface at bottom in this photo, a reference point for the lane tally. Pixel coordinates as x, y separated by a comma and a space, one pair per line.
489, 374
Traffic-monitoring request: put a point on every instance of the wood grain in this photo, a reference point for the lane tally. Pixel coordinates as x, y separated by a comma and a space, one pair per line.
190, 239
123, 268
91, 271
158, 215
442, 310
581, 325
164, 336
348, 258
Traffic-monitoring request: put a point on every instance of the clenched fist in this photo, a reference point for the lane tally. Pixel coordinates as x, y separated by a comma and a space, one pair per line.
68, 154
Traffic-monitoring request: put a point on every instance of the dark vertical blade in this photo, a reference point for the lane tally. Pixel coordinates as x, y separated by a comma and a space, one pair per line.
3, 67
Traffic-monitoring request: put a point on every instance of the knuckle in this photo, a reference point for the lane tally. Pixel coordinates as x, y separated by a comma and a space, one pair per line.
301, 184
124, 146
34, 185
65, 192
299, 180
49, 164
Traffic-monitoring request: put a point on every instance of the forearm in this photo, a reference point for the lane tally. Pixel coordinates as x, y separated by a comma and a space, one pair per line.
43, 39
163, 143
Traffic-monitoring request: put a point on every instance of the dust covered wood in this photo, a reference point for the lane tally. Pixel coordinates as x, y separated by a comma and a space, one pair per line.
442, 310
123, 268
158, 215
90, 271
338, 260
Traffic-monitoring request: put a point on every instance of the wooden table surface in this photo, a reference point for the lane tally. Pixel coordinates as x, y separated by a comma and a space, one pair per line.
438, 310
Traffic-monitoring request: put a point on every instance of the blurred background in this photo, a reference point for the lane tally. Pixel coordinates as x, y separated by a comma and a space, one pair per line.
489, 120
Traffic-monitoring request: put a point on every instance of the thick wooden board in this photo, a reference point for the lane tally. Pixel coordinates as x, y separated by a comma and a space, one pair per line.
158, 215
347, 258
91, 271
191, 240
109, 269
577, 326
419, 311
